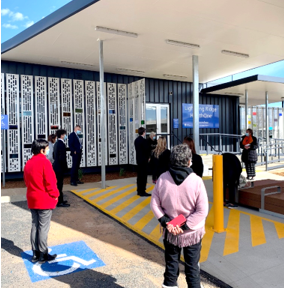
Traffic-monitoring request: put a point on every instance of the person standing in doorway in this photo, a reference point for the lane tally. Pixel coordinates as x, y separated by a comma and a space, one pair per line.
51, 141
76, 153
152, 141
42, 195
142, 159
60, 164
249, 156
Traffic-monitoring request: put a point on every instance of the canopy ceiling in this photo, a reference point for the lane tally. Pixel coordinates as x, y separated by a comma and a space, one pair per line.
256, 87
252, 27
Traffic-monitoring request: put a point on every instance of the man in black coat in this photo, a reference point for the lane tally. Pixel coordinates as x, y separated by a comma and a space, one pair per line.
60, 164
142, 158
76, 153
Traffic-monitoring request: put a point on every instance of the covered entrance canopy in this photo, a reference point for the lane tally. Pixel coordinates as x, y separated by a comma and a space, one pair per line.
255, 86
213, 30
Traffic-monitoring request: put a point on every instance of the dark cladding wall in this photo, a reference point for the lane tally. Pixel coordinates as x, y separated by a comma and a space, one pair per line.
175, 93
157, 91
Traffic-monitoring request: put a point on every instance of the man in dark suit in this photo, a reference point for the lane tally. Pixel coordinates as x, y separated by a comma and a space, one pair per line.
142, 158
60, 164
76, 153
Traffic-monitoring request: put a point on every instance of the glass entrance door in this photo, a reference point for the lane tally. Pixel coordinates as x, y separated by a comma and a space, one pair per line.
157, 120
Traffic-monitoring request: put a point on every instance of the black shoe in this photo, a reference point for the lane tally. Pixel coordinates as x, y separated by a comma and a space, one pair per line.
144, 195
73, 184
65, 201
231, 206
43, 257
63, 205
80, 182
35, 256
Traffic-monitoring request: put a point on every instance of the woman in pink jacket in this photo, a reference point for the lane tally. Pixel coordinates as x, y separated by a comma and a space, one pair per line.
181, 191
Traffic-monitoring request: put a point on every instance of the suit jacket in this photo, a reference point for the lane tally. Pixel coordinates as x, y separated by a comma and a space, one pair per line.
197, 165
249, 155
60, 162
142, 150
232, 168
74, 143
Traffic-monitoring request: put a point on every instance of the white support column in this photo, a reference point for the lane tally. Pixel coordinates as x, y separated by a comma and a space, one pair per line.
195, 102
266, 118
246, 109
103, 113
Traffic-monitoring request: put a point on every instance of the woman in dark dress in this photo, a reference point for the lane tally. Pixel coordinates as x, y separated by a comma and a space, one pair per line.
197, 164
160, 158
249, 156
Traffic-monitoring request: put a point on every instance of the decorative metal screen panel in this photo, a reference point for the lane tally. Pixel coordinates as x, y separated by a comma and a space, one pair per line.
2, 113
27, 117
79, 100
13, 139
132, 134
91, 146
53, 105
112, 124
122, 124
99, 126
67, 119
41, 107
142, 103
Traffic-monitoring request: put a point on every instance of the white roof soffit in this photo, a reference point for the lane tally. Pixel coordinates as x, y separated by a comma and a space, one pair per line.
252, 28
256, 87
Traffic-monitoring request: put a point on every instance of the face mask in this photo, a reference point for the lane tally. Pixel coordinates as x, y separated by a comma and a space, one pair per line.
65, 137
78, 131
154, 138
46, 152
247, 134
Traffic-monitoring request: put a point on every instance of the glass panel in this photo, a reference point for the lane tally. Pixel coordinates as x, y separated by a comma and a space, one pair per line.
164, 120
151, 118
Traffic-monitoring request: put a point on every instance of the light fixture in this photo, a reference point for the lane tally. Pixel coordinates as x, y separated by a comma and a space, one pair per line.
234, 94
184, 44
115, 31
232, 53
125, 70
174, 76
76, 63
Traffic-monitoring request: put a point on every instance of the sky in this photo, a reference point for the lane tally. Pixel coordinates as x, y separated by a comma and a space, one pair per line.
17, 15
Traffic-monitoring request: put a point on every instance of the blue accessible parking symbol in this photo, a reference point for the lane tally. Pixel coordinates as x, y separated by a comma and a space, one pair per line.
72, 257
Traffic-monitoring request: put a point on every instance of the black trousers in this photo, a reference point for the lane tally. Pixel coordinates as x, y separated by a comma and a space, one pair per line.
60, 178
40, 228
192, 271
233, 188
142, 177
76, 159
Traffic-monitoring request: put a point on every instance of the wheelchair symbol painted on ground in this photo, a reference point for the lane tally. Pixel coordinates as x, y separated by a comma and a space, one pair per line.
76, 256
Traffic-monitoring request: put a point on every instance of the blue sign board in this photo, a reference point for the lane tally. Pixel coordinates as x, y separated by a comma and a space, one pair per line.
72, 257
4, 122
270, 128
280, 114
208, 116
175, 123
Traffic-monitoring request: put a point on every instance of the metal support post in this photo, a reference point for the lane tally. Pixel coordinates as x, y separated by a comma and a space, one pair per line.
218, 193
246, 109
267, 128
103, 111
4, 156
195, 102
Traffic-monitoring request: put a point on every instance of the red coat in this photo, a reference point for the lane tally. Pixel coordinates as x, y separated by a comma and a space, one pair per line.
41, 182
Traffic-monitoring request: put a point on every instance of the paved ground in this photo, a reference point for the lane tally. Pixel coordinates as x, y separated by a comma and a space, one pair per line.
130, 261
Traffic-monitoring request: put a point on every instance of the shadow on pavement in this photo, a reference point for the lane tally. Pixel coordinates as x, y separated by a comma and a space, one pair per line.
9, 246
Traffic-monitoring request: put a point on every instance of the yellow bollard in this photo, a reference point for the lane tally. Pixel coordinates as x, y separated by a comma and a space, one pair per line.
218, 193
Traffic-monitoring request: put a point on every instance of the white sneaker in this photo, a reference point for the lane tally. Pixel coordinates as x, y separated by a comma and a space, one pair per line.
164, 286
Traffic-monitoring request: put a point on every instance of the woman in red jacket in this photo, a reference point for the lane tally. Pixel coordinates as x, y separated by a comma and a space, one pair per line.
42, 194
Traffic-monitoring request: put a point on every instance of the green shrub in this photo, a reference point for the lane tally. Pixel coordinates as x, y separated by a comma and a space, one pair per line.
121, 172
80, 174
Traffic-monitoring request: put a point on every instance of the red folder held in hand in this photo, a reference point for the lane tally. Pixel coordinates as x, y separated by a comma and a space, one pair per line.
180, 220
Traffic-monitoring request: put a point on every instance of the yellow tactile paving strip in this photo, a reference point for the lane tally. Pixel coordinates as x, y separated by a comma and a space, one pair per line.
125, 206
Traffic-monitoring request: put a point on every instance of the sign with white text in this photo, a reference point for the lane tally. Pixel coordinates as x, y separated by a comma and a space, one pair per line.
208, 116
